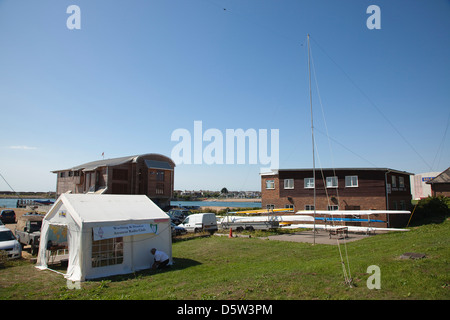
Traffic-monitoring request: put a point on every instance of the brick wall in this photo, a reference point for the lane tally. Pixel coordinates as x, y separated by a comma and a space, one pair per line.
368, 194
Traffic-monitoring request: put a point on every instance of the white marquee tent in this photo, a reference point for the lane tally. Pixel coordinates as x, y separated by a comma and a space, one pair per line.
105, 234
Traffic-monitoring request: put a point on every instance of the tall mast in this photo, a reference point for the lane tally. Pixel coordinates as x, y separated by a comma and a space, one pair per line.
312, 137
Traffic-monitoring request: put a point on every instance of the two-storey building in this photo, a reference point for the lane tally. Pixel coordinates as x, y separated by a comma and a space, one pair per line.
337, 189
150, 174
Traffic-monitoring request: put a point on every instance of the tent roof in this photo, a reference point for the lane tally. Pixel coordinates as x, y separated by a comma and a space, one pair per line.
95, 208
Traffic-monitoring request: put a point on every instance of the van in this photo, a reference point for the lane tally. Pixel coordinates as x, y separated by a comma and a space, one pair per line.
200, 222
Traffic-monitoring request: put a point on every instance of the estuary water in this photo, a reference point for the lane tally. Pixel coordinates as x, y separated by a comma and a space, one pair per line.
12, 203
229, 204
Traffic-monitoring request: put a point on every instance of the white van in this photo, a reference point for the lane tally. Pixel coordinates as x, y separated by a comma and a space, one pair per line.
200, 222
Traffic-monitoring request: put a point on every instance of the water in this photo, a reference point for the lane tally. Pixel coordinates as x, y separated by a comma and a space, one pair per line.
230, 204
12, 203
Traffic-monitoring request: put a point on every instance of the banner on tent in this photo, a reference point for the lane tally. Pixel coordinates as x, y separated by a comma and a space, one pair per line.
108, 232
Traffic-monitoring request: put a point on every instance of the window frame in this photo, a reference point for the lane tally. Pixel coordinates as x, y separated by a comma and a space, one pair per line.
307, 183
107, 252
394, 181
288, 187
267, 185
334, 178
350, 179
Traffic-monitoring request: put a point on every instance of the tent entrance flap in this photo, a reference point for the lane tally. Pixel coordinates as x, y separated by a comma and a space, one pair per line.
57, 245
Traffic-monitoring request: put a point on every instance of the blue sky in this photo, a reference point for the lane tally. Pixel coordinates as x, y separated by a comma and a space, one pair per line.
138, 70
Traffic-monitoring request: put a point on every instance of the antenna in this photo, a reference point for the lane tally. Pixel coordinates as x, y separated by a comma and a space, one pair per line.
312, 137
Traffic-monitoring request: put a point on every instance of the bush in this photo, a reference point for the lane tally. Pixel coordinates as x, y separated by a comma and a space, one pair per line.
432, 209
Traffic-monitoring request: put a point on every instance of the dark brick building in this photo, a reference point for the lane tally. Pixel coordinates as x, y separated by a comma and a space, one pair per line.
337, 189
440, 185
150, 174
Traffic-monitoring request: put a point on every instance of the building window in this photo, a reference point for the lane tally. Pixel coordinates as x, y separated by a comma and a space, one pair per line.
332, 208
160, 188
394, 182
270, 184
289, 206
289, 183
401, 182
62, 174
309, 183
309, 207
160, 176
332, 182
270, 206
107, 252
351, 181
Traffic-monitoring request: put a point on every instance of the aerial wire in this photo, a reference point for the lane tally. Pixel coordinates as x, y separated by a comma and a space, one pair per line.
347, 275
374, 105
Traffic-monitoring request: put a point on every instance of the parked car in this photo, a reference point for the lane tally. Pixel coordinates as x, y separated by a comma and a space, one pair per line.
8, 216
9, 243
200, 222
177, 230
28, 230
178, 215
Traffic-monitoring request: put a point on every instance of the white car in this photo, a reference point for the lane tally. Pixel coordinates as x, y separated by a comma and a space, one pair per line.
9, 243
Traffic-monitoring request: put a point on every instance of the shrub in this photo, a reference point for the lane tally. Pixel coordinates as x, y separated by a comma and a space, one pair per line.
432, 209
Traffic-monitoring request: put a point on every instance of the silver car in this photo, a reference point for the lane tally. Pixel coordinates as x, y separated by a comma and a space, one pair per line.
9, 243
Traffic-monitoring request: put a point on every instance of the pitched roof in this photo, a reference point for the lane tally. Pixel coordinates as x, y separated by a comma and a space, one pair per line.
275, 172
443, 177
108, 208
89, 166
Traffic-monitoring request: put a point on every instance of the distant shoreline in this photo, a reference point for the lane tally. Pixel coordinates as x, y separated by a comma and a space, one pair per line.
27, 196
232, 200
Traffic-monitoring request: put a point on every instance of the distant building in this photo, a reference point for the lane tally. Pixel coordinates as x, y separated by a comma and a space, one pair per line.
149, 174
337, 189
419, 187
440, 185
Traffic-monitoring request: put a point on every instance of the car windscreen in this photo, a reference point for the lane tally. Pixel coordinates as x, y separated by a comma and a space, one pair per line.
6, 235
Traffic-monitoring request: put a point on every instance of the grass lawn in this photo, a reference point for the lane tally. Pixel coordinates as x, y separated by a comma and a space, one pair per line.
253, 269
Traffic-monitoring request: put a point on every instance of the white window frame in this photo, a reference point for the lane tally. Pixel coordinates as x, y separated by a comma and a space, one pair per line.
270, 182
308, 184
394, 181
309, 207
349, 181
330, 181
332, 208
289, 183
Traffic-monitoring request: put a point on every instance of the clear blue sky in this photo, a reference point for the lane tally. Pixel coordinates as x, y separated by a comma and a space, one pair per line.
138, 70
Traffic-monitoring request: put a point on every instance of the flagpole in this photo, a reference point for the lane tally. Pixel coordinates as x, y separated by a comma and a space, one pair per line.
312, 136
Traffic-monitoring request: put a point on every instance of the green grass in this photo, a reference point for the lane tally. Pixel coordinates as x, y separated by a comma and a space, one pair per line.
250, 268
